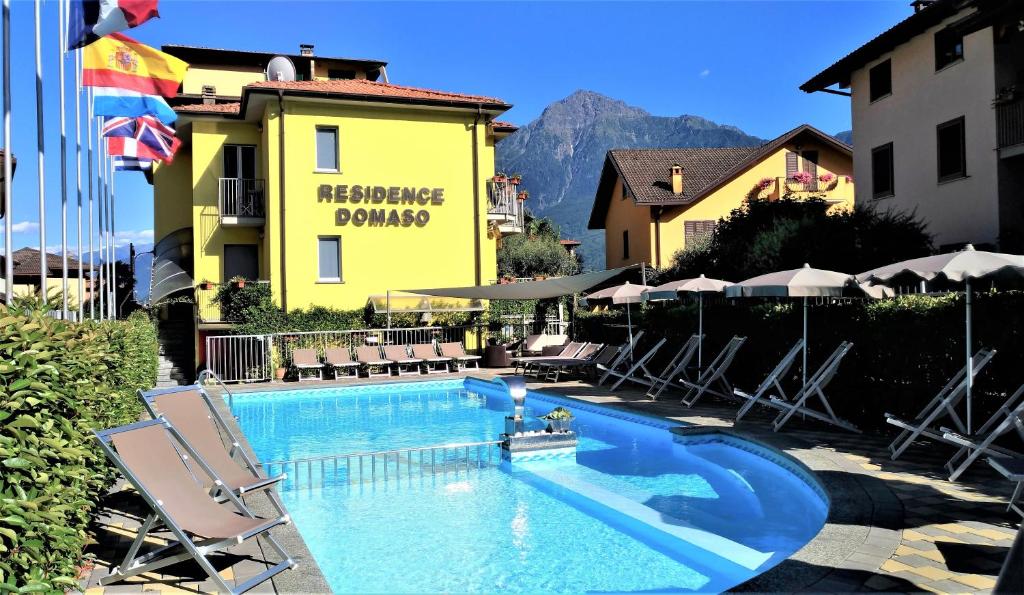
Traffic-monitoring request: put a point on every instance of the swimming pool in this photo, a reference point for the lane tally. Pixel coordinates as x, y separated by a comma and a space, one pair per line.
638, 508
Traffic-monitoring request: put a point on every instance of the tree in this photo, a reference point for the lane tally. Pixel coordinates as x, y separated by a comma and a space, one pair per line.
764, 236
535, 252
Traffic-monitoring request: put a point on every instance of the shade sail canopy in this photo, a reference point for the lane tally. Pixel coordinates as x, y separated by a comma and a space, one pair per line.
529, 290
627, 293
802, 282
398, 303
672, 289
952, 266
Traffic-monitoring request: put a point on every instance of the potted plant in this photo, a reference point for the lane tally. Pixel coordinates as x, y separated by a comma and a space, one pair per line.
239, 281
206, 285
799, 182
559, 420
499, 177
279, 369
523, 195
829, 181
515, 179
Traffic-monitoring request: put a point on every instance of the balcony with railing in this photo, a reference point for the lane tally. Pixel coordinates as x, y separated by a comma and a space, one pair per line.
832, 188
505, 204
241, 202
1010, 127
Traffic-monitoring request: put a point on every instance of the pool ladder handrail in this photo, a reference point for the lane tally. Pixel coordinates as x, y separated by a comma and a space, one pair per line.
207, 374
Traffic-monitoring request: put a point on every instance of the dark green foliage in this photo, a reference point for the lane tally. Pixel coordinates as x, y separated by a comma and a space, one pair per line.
535, 252
59, 381
765, 236
905, 349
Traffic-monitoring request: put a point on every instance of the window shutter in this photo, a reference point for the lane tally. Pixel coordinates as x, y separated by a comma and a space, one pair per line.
811, 167
791, 164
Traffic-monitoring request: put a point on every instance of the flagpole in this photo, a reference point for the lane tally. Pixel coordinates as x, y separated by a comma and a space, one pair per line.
88, 170
78, 173
40, 144
63, 166
113, 242
101, 222
8, 211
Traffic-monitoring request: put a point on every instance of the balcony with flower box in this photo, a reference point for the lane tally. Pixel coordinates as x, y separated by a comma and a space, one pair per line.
833, 189
505, 204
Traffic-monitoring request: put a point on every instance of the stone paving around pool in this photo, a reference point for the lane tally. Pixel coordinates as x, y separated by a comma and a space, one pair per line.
895, 526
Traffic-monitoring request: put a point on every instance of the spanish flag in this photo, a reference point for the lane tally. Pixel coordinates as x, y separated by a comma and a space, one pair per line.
117, 61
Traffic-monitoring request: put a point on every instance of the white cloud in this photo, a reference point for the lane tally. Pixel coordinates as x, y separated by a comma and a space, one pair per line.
705, 73
142, 236
25, 226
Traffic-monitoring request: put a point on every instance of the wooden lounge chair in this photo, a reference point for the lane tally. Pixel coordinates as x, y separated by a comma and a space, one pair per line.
1009, 416
815, 386
712, 380
370, 359
676, 368
402, 363
340, 360
941, 406
150, 456
305, 360
771, 382
431, 362
458, 354
194, 415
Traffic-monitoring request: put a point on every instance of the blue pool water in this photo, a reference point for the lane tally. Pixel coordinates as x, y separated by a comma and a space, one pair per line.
632, 511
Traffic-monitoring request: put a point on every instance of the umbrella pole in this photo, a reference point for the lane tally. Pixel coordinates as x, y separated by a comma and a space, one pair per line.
967, 344
803, 370
629, 329
700, 331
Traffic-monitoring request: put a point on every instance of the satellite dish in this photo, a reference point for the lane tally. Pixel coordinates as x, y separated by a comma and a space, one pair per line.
280, 68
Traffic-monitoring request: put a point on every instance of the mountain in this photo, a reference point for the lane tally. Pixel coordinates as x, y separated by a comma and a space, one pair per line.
560, 155
845, 136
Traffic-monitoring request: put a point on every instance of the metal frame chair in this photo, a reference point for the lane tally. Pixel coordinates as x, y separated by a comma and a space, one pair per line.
172, 490
1006, 418
569, 350
943, 403
714, 373
816, 385
306, 366
638, 365
624, 356
675, 368
457, 352
552, 369
771, 381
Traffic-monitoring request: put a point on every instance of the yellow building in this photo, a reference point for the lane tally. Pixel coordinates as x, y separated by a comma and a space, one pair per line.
329, 183
654, 202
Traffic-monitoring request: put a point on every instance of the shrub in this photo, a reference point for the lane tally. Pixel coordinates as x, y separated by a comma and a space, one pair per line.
535, 252
59, 381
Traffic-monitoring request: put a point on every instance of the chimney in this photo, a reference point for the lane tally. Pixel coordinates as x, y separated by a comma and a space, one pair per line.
305, 49
920, 5
209, 94
677, 178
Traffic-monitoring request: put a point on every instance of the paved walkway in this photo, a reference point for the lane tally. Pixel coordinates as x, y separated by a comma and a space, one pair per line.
893, 526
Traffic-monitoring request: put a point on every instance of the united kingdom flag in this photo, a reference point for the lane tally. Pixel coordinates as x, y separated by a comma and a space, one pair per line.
154, 138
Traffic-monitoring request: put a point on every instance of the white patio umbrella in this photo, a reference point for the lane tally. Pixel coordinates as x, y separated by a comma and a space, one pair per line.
627, 293
803, 283
962, 266
699, 286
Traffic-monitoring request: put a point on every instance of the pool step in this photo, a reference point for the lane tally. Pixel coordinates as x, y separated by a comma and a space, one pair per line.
671, 533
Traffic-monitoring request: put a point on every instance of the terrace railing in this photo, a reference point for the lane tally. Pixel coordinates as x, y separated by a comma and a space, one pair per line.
386, 465
239, 358
1010, 123
240, 199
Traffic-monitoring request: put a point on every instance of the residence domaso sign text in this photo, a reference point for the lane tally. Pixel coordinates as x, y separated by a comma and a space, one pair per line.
380, 216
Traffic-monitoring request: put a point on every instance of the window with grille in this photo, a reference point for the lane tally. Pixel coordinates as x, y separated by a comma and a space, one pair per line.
697, 233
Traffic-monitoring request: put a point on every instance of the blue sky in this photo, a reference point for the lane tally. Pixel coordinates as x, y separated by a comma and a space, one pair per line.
733, 62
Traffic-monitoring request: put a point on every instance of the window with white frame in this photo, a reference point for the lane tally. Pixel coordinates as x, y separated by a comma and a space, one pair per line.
329, 259
327, 148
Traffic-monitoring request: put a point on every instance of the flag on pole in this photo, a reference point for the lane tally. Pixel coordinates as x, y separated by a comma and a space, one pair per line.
118, 61
111, 101
131, 164
91, 19
147, 130
131, 148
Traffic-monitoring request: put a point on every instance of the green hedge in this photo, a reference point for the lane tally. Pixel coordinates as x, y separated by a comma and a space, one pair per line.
905, 349
58, 381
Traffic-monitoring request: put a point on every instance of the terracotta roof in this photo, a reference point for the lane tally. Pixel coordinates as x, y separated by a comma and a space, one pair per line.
26, 262
645, 172
504, 126
569, 242
212, 108
377, 90
839, 73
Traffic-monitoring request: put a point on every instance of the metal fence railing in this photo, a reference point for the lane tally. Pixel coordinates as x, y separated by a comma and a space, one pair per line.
504, 204
1010, 124
241, 197
239, 358
386, 465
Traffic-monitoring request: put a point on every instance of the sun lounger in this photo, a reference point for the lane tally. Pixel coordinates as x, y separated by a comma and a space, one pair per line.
370, 359
552, 369
1008, 417
638, 372
539, 365
305, 360
340, 359
712, 379
150, 455
1011, 575
771, 382
458, 354
942, 405
815, 386
193, 414
676, 368
568, 351
1013, 470
431, 362
621, 363
535, 344
402, 362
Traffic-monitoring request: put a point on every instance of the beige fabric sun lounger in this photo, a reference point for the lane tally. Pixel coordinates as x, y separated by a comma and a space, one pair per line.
458, 354
568, 351
340, 359
675, 369
712, 380
588, 356
432, 363
401, 361
369, 357
621, 363
304, 360
772, 382
150, 455
815, 386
